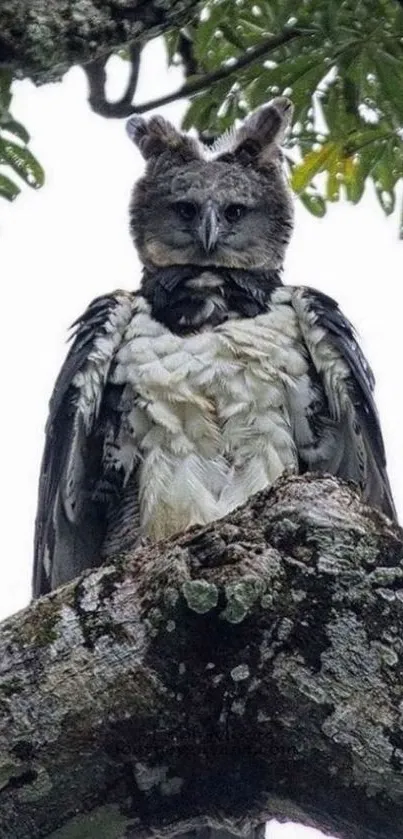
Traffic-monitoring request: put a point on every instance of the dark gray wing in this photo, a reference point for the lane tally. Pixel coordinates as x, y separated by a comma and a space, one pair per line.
354, 446
70, 523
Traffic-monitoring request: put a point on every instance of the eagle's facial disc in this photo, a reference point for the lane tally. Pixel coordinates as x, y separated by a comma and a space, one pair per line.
212, 213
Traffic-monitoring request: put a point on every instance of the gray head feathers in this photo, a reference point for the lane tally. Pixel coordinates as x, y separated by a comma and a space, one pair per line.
227, 207
262, 130
157, 135
264, 127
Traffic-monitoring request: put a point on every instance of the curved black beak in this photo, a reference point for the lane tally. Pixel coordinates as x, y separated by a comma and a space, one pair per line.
208, 226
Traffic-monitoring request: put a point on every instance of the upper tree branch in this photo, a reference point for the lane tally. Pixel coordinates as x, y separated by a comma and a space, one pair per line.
245, 670
44, 38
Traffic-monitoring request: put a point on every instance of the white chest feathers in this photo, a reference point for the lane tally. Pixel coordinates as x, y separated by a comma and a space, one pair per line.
210, 424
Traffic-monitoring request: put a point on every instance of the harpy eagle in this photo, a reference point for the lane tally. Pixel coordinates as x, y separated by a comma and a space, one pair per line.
178, 401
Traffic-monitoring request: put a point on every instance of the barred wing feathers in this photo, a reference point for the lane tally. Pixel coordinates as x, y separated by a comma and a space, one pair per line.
69, 529
348, 382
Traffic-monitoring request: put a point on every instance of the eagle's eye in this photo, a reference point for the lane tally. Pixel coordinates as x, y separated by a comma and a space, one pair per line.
186, 210
233, 212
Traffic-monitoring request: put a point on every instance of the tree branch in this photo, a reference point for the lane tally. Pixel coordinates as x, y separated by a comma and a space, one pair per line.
203, 82
124, 107
245, 670
96, 76
44, 38
185, 48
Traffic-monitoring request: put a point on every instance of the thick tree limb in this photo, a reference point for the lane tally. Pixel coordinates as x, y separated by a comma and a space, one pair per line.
249, 669
43, 38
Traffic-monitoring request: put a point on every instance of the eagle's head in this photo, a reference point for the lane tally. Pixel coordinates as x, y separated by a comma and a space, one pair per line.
229, 206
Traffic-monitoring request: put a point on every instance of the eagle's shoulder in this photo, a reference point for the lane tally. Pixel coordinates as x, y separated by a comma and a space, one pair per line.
324, 323
94, 337
348, 383
73, 409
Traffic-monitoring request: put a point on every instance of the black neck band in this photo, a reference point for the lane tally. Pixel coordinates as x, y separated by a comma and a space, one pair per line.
184, 306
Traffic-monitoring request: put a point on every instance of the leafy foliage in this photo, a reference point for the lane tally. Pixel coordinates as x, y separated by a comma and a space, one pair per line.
14, 155
343, 71
343, 68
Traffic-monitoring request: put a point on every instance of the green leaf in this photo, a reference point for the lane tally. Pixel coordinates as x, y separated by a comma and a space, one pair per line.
23, 162
198, 114
386, 199
8, 189
390, 74
314, 203
365, 137
13, 154
292, 71
211, 47
13, 127
385, 171
232, 37
340, 107
333, 186
313, 162
354, 180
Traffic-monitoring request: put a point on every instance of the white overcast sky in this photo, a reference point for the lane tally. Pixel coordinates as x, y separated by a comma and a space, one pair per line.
69, 242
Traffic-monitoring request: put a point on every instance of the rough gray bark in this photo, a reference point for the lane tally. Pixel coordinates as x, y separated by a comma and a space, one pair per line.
43, 38
246, 670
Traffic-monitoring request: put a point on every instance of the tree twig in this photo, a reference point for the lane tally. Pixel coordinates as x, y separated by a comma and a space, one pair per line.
96, 75
202, 83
